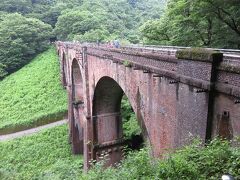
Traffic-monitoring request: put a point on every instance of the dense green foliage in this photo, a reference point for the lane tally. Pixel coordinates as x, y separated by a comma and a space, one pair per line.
33, 94
26, 26
20, 39
76, 22
119, 19
106, 20
46, 155
130, 122
3, 72
207, 23
192, 162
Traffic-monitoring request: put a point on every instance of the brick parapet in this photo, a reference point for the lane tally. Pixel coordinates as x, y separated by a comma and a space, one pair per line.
163, 62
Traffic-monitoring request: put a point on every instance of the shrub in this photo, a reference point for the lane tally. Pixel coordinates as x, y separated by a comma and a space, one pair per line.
196, 161
3, 72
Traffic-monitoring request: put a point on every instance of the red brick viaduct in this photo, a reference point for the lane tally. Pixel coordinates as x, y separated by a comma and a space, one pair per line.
176, 94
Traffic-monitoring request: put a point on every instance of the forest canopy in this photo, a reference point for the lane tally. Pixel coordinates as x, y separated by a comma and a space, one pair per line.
20, 39
205, 23
26, 26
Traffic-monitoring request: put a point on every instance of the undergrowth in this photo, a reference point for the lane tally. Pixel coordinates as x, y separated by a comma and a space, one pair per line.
195, 161
46, 155
32, 94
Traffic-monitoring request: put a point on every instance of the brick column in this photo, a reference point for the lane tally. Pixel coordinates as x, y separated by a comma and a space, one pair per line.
196, 70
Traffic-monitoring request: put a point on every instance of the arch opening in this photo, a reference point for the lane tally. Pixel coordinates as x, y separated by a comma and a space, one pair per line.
64, 70
112, 113
132, 132
76, 124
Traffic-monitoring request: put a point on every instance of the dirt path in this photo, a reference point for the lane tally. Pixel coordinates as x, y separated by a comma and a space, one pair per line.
31, 131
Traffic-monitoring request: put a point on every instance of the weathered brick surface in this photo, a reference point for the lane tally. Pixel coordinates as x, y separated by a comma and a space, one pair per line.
192, 114
173, 99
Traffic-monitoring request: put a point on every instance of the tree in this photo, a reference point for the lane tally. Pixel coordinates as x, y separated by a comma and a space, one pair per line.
75, 22
156, 31
96, 35
3, 72
12, 6
228, 17
20, 39
196, 23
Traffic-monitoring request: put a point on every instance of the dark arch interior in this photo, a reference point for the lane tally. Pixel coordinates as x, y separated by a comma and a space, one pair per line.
108, 98
77, 82
64, 70
77, 101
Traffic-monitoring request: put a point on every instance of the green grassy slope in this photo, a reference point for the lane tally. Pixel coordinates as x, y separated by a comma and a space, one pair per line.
33, 94
46, 155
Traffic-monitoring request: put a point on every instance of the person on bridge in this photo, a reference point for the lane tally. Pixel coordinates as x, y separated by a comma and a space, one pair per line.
116, 43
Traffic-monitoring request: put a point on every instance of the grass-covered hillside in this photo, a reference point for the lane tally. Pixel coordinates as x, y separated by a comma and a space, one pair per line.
46, 155
33, 94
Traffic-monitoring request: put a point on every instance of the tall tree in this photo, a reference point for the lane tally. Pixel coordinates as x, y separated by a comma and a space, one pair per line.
197, 23
20, 39
20, 6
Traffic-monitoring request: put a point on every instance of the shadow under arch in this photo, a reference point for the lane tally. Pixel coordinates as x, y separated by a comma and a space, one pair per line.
77, 99
64, 70
107, 121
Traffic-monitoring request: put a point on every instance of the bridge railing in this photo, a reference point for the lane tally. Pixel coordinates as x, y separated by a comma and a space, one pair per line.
230, 56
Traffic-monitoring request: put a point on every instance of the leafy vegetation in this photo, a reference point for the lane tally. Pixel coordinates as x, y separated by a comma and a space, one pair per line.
27, 26
130, 122
20, 39
3, 72
33, 94
46, 155
195, 161
106, 20
120, 19
207, 23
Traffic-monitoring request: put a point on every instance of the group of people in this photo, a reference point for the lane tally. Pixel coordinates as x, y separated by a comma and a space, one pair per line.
113, 44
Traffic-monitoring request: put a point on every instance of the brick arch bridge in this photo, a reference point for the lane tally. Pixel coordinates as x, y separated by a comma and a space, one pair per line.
176, 94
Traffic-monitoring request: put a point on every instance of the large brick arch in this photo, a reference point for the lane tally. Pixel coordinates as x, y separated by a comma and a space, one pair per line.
107, 122
77, 99
107, 96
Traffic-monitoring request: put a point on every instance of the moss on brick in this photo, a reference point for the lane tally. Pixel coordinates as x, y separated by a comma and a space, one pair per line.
230, 68
199, 54
127, 63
